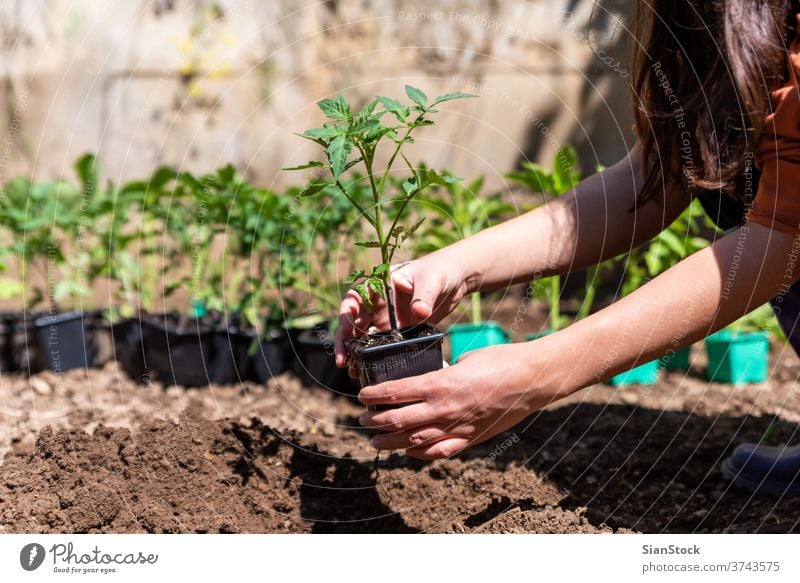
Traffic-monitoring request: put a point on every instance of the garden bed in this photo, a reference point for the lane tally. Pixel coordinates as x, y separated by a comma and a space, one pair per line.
98, 453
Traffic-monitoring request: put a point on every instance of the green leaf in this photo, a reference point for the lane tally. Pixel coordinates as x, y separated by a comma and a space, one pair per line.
417, 96
410, 186
310, 164
87, 169
451, 96
324, 134
394, 107
313, 188
413, 229
376, 286
380, 269
338, 151
369, 244
353, 277
433, 177
363, 291
336, 109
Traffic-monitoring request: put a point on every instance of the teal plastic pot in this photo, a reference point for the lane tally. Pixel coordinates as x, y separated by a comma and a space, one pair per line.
538, 335
644, 374
466, 337
678, 360
737, 357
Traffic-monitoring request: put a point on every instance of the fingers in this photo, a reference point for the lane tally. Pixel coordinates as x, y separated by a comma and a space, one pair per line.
427, 289
408, 390
417, 437
400, 419
442, 449
351, 324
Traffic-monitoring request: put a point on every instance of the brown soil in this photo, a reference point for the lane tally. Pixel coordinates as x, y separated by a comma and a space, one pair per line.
97, 453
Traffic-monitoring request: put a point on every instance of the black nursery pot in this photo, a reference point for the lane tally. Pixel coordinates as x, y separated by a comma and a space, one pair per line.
230, 358
64, 340
7, 363
126, 344
175, 351
25, 355
315, 364
271, 357
378, 358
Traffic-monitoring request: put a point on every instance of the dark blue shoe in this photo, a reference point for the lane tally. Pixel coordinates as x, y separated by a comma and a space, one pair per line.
765, 469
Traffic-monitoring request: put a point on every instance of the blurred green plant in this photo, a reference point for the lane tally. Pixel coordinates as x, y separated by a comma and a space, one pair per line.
457, 211
40, 218
552, 183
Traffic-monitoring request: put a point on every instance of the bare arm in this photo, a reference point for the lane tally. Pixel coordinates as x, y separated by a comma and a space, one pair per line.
492, 389
696, 297
590, 223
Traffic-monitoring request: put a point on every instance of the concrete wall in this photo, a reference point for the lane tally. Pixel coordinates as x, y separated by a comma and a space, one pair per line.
198, 84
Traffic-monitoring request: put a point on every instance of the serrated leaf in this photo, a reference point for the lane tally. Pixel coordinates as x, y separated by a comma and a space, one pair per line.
413, 228
351, 163
336, 109
313, 188
376, 286
310, 164
338, 151
451, 96
366, 112
353, 277
324, 133
363, 291
410, 186
417, 96
369, 244
394, 107
380, 269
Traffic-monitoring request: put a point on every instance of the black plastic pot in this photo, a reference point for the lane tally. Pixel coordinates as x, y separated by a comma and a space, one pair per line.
314, 362
419, 352
230, 356
64, 341
175, 351
125, 339
270, 358
7, 363
24, 345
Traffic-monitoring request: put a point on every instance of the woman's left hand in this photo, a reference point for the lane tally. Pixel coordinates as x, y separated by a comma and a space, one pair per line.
486, 392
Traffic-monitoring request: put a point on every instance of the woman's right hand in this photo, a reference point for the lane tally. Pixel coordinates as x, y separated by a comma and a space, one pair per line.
428, 289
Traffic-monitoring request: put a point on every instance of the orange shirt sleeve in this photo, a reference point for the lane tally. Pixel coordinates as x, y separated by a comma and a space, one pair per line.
777, 201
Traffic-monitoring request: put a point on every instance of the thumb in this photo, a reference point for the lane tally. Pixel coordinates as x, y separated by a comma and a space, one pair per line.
427, 288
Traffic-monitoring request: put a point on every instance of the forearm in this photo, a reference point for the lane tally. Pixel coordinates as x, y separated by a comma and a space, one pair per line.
590, 223
699, 295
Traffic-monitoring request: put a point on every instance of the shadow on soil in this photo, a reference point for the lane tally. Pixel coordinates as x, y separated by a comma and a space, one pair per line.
648, 470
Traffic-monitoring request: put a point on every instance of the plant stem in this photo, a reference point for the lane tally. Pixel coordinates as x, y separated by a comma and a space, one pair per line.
386, 276
475, 303
591, 292
555, 293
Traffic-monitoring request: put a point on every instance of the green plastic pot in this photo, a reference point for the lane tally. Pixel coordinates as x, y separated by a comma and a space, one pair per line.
644, 374
737, 357
678, 360
466, 337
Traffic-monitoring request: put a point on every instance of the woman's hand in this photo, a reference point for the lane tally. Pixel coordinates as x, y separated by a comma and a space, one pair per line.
485, 393
428, 288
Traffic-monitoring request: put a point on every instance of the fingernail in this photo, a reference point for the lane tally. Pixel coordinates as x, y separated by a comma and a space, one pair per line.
376, 442
362, 418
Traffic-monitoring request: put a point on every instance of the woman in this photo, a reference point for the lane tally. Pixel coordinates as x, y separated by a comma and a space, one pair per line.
714, 95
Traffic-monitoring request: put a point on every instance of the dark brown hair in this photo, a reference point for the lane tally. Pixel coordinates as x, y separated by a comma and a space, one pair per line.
702, 74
